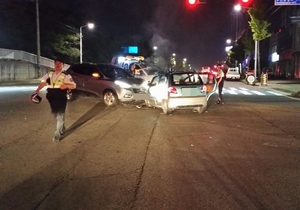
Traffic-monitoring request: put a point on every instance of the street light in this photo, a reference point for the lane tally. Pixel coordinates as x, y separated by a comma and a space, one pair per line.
90, 26
238, 8
174, 54
228, 41
154, 48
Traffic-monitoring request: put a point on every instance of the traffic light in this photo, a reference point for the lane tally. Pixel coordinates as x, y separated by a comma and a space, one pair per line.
245, 3
192, 2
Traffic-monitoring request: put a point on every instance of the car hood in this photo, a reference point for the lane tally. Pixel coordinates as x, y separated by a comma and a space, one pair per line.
132, 81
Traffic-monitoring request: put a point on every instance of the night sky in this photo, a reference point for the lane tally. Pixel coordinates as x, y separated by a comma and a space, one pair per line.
197, 32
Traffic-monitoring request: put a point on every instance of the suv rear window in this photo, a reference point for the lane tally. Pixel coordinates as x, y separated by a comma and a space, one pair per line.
186, 79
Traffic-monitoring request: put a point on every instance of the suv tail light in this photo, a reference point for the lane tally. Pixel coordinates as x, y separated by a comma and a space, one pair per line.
203, 88
172, 90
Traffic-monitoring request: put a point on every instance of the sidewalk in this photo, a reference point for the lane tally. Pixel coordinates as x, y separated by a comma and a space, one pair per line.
288, 86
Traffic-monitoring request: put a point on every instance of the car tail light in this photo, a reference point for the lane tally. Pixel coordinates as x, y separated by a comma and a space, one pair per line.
203, 88
172, 90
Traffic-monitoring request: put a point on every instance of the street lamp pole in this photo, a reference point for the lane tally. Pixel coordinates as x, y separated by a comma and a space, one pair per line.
90, 25
38, 38
80, 35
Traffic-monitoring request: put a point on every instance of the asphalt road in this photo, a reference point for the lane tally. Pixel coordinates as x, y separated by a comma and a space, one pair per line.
241, 155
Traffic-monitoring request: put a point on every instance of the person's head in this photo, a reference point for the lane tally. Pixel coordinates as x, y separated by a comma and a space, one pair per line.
58, 64
219, 66
133, 66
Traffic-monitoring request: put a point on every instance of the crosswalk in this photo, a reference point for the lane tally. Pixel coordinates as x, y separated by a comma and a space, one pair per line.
249, 92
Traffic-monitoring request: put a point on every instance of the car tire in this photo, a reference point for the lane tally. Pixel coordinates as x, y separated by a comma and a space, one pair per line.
165, 107
110, 98
201, 109
71, 95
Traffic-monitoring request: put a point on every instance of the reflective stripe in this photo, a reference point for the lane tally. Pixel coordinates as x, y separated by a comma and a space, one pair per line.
59, 80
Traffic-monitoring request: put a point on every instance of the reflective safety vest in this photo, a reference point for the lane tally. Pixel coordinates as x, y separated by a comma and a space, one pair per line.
59, 80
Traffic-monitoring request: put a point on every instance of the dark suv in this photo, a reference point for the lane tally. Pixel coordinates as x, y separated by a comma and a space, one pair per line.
107, 81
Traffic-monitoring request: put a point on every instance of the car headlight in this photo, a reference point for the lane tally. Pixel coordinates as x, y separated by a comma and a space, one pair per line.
122, 84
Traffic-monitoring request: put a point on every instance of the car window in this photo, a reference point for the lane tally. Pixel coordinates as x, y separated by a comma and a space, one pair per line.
121, 73
89, 70
114, 72
155, 81
186, 79
162, 79
78, 69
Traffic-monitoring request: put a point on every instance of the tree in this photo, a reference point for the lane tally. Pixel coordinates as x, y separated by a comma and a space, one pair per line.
259, 28
67, 47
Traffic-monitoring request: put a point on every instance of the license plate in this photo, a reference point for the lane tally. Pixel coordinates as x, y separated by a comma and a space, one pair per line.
189, 91
141, 96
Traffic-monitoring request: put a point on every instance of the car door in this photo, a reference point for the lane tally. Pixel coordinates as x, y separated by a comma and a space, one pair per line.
92, 80
78, 73
153, 90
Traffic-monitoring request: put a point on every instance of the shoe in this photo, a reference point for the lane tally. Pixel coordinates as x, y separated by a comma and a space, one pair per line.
63, 130
222, 103
138, 106
56, 139
218, 102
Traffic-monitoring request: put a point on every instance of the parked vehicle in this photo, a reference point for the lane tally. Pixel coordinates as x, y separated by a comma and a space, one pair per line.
233, 74
109, 82
179, 90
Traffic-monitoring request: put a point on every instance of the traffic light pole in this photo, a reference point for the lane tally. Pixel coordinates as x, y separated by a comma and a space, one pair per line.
255, 59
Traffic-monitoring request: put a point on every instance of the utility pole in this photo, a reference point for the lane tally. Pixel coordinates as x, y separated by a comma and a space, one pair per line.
38, 39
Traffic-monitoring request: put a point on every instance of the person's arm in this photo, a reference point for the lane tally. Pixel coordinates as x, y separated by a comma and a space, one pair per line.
68, 83
41, 86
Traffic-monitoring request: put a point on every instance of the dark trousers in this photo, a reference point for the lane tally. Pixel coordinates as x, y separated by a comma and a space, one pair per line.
58, 101
220, 89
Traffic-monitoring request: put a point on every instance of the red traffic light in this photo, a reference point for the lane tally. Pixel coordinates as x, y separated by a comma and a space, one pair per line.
194, 1
245, 3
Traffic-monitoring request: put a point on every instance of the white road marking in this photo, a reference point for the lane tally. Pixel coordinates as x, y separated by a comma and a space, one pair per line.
232, 92
245, 92
275, 93
258, 93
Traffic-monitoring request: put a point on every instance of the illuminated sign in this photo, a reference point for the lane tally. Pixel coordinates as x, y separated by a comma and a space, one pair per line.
286, 2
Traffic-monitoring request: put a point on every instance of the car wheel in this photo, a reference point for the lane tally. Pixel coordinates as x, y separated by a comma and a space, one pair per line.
165, 107
71, 96
110, 98
202, 109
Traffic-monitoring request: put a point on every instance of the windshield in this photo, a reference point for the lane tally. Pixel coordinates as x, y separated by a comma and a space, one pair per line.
186, 79
115, 73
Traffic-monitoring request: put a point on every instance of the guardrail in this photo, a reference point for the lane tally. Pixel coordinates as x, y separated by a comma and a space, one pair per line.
25, 56
16, 65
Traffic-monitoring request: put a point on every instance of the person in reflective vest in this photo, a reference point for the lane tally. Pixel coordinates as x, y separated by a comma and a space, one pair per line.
58, 82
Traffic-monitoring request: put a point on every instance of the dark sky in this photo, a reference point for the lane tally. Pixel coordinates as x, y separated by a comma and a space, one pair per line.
197, 33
